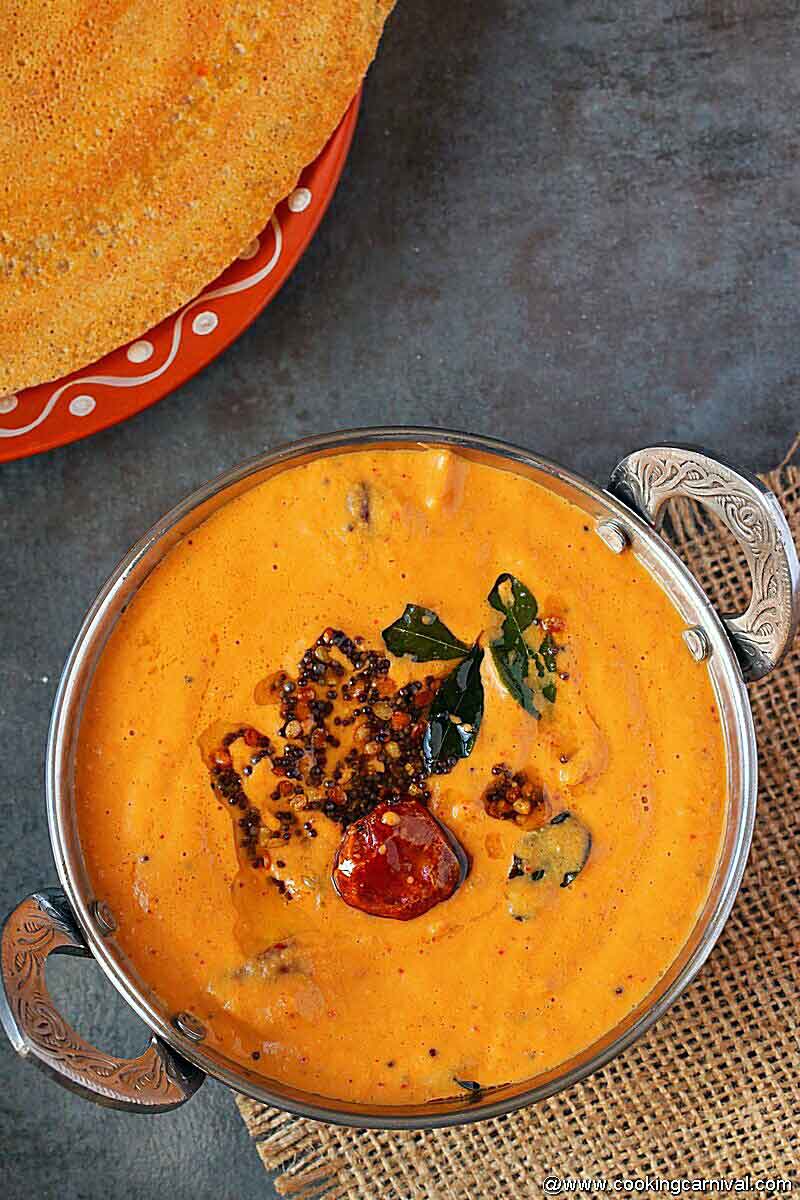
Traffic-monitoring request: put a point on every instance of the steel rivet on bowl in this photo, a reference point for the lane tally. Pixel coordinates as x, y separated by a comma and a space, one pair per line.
104, 918
189, 1026
697, 642
614, 534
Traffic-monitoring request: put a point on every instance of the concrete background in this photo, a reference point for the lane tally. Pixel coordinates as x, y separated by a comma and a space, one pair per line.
571, 224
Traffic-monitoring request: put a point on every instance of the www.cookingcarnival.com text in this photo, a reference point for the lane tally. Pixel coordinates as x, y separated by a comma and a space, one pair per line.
562, 1185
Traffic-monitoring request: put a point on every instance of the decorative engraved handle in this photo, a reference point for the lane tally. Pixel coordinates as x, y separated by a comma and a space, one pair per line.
44, 924
763, 633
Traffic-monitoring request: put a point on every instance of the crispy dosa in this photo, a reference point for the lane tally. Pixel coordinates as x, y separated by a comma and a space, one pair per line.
143, 144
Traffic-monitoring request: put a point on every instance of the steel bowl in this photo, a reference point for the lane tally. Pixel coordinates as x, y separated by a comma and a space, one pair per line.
735, 649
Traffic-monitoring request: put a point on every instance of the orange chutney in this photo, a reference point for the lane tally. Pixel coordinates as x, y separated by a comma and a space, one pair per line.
351, 1005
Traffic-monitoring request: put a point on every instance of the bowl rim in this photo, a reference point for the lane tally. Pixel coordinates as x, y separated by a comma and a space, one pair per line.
735, 714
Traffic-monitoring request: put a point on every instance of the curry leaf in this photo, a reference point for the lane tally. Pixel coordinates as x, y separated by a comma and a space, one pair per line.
455, 715
511, 653
547, 651
518, 605
512, 667
420, 633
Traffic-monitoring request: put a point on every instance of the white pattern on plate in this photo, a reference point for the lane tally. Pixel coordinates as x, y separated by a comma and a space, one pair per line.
140, 351
122, 381
205, 322
8, 403
299, 200
250, 250
81, 406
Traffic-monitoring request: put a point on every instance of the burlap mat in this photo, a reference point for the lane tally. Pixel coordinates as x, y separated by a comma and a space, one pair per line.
713, 1089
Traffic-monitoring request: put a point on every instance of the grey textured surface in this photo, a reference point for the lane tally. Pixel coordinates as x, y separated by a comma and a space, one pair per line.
574, 225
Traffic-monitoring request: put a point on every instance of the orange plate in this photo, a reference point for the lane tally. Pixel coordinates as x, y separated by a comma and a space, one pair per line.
140, 373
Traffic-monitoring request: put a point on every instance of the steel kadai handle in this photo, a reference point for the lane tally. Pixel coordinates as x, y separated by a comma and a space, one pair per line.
647, 479
44, 924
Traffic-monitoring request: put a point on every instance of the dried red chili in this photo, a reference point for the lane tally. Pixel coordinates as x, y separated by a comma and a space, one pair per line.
397, 862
